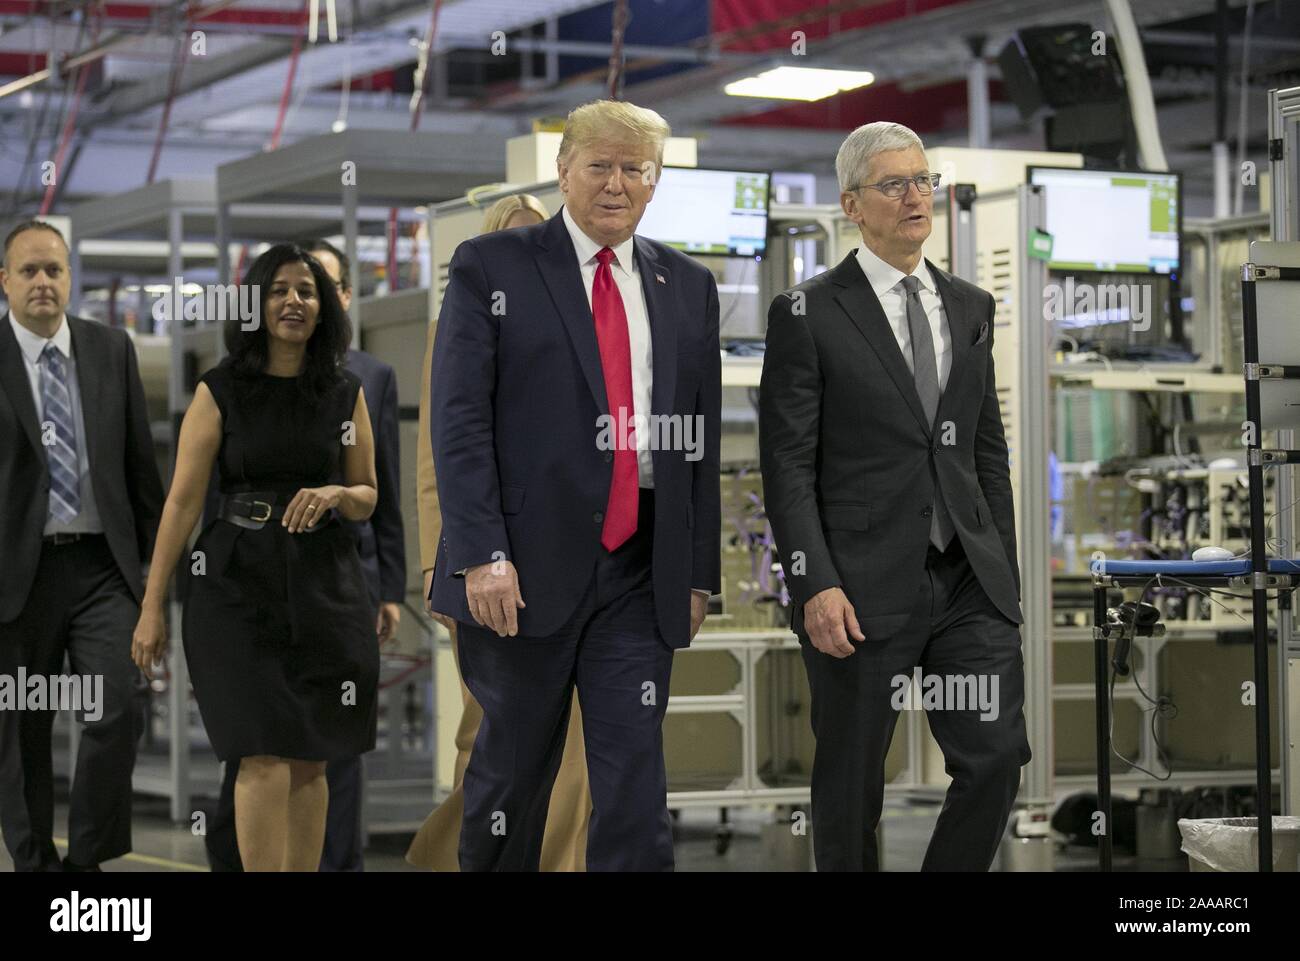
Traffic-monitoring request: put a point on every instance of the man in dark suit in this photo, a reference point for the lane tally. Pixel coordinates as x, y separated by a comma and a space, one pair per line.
887, 484
381, 542
575, 551
81, 509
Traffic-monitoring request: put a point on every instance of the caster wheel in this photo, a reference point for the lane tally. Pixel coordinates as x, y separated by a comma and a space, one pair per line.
721, 841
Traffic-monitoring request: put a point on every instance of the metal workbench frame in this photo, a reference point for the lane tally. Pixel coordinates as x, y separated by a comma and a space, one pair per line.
1284, 218
162, 210
390, 169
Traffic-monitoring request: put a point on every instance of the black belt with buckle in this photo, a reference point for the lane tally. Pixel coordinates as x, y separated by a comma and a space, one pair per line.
253, 509
65, 537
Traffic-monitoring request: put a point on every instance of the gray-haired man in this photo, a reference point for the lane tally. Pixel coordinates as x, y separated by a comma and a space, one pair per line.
885, 470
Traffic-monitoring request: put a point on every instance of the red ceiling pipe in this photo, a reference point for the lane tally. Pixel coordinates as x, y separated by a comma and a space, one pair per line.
69, 125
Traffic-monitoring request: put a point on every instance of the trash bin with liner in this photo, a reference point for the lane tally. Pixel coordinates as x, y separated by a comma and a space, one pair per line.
1232, 844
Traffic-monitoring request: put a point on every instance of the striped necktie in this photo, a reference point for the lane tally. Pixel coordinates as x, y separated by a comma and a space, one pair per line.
61, 442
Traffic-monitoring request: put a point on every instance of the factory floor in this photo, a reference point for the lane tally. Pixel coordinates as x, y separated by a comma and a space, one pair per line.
163, 846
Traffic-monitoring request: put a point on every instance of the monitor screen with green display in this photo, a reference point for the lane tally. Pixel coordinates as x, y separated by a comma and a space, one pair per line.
703, 211
1111, 220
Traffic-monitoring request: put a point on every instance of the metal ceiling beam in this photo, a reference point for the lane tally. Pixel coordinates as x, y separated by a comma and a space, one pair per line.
1189, 38
201, 73
211, 89
595, 48
930, 45
229, 111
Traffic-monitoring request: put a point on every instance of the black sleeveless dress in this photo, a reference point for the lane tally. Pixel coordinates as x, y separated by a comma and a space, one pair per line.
278, 629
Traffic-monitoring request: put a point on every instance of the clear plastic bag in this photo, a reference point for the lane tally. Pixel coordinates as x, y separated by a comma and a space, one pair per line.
1232, 844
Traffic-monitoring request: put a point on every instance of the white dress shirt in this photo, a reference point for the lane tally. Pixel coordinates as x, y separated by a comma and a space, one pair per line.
887, 282
31, 345
628, 279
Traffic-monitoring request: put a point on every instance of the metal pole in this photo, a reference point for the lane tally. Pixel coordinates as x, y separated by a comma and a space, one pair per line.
977, 95
1222, 179
223, 260
223, 243
1284, 217
552, 33
178, 696
1259, 573
74, 265
350, 231
1222, 169
1100, 650
1221, 28
961, 231
1029, 465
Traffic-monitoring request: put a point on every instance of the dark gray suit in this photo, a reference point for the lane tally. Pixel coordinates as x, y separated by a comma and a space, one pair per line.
80, 599
850, 470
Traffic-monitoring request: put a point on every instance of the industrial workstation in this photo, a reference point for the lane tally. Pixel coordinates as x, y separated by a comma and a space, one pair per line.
648, 435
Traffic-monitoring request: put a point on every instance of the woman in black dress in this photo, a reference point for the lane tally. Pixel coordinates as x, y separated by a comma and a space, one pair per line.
278, 630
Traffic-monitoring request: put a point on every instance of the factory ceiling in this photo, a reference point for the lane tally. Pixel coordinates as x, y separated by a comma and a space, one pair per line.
183, 87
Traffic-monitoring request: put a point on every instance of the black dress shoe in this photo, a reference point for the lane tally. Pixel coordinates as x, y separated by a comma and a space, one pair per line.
71, 868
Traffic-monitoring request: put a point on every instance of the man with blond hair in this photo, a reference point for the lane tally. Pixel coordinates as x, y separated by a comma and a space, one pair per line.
577, 550
885, 471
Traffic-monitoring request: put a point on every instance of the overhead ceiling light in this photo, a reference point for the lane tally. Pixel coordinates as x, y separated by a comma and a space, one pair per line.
799, 83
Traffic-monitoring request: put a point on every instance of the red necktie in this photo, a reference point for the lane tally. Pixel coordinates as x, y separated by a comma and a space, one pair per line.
616, 362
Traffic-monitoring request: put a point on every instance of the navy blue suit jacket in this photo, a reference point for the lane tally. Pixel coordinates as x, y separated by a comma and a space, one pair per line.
380, 539
515, 396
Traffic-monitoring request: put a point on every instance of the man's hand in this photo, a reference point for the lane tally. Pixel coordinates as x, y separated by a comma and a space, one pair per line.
699, 607
829, 619
492, 591
390, 615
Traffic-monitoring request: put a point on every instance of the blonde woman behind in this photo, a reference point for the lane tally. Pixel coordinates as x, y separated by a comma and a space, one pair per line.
564, 844
517, 210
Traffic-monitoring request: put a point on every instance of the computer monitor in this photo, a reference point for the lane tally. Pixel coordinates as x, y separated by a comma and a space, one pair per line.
704, 211
1125, 221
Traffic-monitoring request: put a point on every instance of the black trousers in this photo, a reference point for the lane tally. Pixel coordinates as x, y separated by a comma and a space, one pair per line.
342, 823
80, 607
962, 642
611, 651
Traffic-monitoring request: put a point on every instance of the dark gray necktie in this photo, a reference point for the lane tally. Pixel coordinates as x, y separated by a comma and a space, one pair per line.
925, 371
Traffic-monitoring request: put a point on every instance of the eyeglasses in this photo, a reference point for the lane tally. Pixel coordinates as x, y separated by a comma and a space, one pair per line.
896, 187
